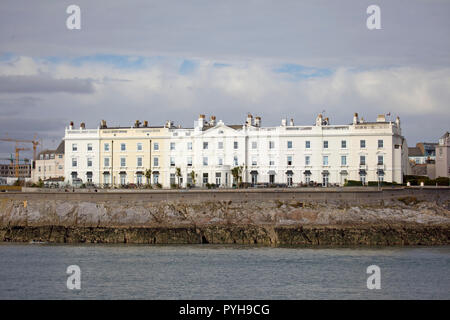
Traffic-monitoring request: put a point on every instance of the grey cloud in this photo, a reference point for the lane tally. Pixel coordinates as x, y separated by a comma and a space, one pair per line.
44, 84
320, 32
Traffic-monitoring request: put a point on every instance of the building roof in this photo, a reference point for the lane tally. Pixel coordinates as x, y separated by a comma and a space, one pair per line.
414, 152
60, 149
419, 170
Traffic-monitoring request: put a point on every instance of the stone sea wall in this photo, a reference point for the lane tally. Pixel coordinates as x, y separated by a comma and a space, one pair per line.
418, 217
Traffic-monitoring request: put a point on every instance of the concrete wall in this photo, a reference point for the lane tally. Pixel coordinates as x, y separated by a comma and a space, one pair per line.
348, 195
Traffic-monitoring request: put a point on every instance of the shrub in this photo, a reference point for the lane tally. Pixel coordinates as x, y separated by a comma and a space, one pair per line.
352, 183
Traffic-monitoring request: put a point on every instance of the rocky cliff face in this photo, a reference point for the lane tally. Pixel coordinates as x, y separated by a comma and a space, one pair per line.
400, 221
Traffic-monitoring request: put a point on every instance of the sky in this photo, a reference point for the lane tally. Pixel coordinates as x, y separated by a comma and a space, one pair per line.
172, 60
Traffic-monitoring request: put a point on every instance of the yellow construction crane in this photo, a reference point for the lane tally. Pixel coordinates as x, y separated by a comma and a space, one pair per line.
17, 141
16, 164
18, 149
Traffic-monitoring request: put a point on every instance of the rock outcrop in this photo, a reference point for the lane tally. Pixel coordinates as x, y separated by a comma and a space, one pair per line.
402, 221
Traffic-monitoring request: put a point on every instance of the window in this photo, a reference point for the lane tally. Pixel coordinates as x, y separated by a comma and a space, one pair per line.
235, 145
380, 160
156, 146
380, 144
60, 156
60, 167
362, 143
205, 145
123, 161
139, 161
41, 157
155, 161
139, 146
343, 160
307, 160
189, 145
172, 161
272, 179
74, 162
89, 147
254, 161
172, 146
289, 160
106, 178
156, 178
271, 162
74, 147
220, 145
362, 160
289, 144
52, 156
220, 161
235, 161
254, 145
307, 144
106, 162
123, 147
106, 147
325, 160
172, 178
189, 161
39, 169
289, 180
325, 144
344, 144
205, 161
205, 178
271, 144
46, 156
139, 179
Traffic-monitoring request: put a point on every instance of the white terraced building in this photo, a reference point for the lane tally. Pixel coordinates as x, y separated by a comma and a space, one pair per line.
287, 154
81, 162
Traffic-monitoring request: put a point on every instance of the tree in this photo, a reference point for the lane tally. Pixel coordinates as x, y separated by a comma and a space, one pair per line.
236, 172
193, 176
178, 174
148, 174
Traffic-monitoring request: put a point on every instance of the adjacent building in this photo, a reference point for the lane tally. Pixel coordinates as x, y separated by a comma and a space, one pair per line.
443, 156
49, 164
287, 154
82, 154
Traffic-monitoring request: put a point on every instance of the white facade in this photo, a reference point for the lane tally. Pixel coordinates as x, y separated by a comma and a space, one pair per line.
81, 159
287, 154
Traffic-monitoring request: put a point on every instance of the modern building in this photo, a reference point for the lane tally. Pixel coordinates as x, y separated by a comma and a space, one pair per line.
443, 156
49, 164
288, 154
8, 172
422, 153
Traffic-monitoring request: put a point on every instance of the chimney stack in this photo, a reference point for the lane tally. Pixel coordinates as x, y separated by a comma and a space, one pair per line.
145, 123
249, 120
381, 118
212, 121
257, 121
291, 123
82, 125
201, 121
355, 118
103, 124
71, 125
283, 122
137, 124
169, 124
